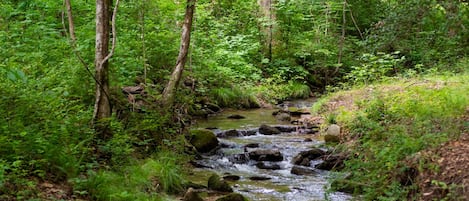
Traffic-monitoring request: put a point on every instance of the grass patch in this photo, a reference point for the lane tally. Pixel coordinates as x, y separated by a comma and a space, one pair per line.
387, 123
234, 97
146, 180
276, 92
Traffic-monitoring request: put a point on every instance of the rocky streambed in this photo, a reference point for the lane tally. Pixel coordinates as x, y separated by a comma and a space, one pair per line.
263, 158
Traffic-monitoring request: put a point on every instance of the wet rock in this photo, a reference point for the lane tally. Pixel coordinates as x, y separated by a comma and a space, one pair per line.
248, 132
236, 116
191, 195
218, 184
300, 170
213, 107
286, 129
294, 111
232, 197
266, 155
203, 140
229, 133
283, 116
252, 145
304, 158
268, 166
239, 158
332, 162
308, 140
259, 178
227, 145
268, 130
231, 177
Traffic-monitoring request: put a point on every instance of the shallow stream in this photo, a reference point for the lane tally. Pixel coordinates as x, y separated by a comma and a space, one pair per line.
280, 184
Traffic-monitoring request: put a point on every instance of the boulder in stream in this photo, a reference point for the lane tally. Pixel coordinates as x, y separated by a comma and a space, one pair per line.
229, 133
304, 158
268, 166
268, 130
286, 129
216, 183
232, 197
282, 116
300, 170
236, 116
266, 155
259, 178
332, 162
239, 158
248, 132
203, 140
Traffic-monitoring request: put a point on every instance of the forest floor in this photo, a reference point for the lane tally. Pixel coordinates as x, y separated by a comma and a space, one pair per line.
452, 158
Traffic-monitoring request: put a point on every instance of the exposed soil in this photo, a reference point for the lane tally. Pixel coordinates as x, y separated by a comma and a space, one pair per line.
451, 179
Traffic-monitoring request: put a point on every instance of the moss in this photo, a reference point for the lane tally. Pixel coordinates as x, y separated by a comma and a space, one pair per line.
203, 140
218, 184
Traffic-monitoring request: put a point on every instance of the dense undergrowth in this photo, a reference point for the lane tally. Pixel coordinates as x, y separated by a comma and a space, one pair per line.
240, 57
388, 124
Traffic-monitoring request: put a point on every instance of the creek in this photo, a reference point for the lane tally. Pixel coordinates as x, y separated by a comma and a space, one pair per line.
274, 185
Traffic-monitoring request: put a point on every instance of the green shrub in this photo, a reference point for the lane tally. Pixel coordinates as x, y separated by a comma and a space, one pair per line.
375, 67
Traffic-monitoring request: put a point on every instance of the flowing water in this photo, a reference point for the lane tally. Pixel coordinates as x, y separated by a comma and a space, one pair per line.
281, 184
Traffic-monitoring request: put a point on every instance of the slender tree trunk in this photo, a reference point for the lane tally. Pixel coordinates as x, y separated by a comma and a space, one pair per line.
102, 107
170, 90
71, 26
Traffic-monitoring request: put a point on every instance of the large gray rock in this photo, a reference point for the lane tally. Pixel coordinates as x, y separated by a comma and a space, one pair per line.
332, 134
266, 155
216, 183
203, 140
333, 129
268, 130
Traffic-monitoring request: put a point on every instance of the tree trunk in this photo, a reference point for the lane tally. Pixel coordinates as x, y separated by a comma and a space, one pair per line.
102, 107
170, 90
267, 12
71, 26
